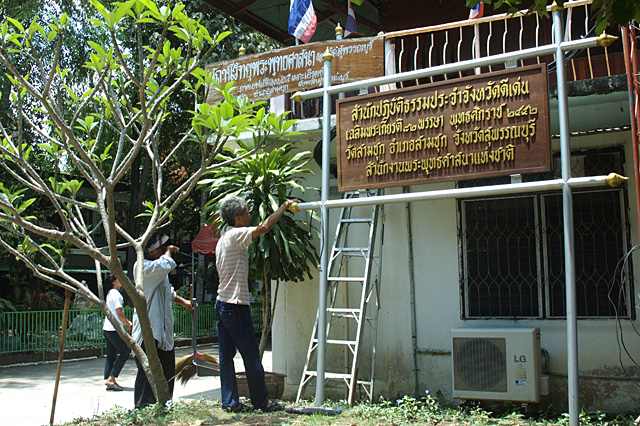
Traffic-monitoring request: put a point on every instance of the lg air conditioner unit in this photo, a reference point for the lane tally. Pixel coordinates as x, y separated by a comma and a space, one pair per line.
497, 364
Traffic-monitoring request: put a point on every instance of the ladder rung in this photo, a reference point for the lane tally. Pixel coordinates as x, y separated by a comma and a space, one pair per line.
346, 279
337, 342
357, 220
344, 310
350, 249
341, 342
337, 376
328, 375
346, 316
363, 254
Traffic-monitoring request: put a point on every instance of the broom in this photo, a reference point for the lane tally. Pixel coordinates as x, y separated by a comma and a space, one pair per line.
187, 367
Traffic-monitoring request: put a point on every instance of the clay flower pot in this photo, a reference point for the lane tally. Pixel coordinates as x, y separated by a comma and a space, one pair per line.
275, 384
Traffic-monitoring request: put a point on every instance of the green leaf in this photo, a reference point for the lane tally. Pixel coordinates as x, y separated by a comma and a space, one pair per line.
226, 110
52, 248
123, 9
150, 5
274, 202
101, 9
26, 205
222, 36
601, 25
16, 24
52, 35
26, 247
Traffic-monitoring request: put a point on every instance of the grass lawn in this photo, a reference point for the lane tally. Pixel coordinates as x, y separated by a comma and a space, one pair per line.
405, 411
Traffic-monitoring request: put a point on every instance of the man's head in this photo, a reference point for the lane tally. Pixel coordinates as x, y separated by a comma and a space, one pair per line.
155, 246
234, 212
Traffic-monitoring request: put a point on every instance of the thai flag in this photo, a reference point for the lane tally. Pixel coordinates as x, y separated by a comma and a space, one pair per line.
350, 26
476, 11
302, 20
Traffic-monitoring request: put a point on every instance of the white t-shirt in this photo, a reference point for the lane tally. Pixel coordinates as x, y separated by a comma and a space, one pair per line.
232, 262
114, 301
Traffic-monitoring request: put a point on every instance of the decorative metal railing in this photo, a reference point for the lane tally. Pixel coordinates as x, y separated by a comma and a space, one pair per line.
464, 40
39, 331
426, 47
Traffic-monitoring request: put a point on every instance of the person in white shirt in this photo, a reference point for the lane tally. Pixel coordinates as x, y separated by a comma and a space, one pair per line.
117, 350
235, 327
160, 295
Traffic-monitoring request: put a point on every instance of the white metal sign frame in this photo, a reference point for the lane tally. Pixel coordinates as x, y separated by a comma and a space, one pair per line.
566, 183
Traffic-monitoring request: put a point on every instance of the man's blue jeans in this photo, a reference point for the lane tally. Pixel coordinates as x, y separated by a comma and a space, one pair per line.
236, 332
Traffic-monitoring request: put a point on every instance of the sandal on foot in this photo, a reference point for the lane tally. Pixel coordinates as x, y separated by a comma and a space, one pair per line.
272, 406
114, 387
238, 408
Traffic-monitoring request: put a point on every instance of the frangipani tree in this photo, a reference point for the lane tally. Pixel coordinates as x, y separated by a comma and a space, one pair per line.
93, 130
266, 180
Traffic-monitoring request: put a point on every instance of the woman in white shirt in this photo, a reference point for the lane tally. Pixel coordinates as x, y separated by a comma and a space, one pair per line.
117, 350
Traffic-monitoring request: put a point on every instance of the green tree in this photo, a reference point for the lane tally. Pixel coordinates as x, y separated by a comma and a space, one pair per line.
97, 128
266, 180
187, 220
28, 292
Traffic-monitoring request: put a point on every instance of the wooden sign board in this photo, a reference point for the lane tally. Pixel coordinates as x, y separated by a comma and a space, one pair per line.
273, 73
488, 125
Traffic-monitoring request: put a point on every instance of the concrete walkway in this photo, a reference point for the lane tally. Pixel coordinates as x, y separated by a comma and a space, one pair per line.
26, 391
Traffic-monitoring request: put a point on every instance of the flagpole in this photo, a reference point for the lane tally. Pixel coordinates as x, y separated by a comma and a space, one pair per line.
476, 45
339, 33
567, 217
324, 217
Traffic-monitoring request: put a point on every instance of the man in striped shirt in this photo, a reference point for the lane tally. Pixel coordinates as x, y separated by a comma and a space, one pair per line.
235, 328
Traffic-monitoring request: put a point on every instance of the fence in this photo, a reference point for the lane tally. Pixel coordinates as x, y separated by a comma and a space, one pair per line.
39, 331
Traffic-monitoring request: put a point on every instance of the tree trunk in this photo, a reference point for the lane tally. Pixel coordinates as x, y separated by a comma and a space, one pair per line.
265, 312
201, 265
267, 320
5, 96
148, 358
151, 362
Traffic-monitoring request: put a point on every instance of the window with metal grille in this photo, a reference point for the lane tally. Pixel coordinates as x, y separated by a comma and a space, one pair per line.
512, 249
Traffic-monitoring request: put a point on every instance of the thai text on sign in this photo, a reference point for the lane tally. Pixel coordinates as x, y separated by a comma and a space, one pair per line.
489, 125
273, 73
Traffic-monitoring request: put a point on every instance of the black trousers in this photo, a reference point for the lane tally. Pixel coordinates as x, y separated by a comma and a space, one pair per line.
142, 392
117, 354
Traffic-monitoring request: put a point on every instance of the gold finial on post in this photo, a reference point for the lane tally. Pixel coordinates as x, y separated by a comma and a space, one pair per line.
555, 7
293, 208
327, 56
339, 30
614, 179
605, 39
242, 51
297, 97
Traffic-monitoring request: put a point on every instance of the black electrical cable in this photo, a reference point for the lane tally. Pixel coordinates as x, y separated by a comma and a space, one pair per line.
551, 67
622, 265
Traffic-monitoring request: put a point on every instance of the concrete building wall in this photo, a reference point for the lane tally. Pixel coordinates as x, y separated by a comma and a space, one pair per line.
434, 231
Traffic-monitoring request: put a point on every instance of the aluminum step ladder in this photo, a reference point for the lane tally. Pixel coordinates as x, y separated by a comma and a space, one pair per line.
349, 317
